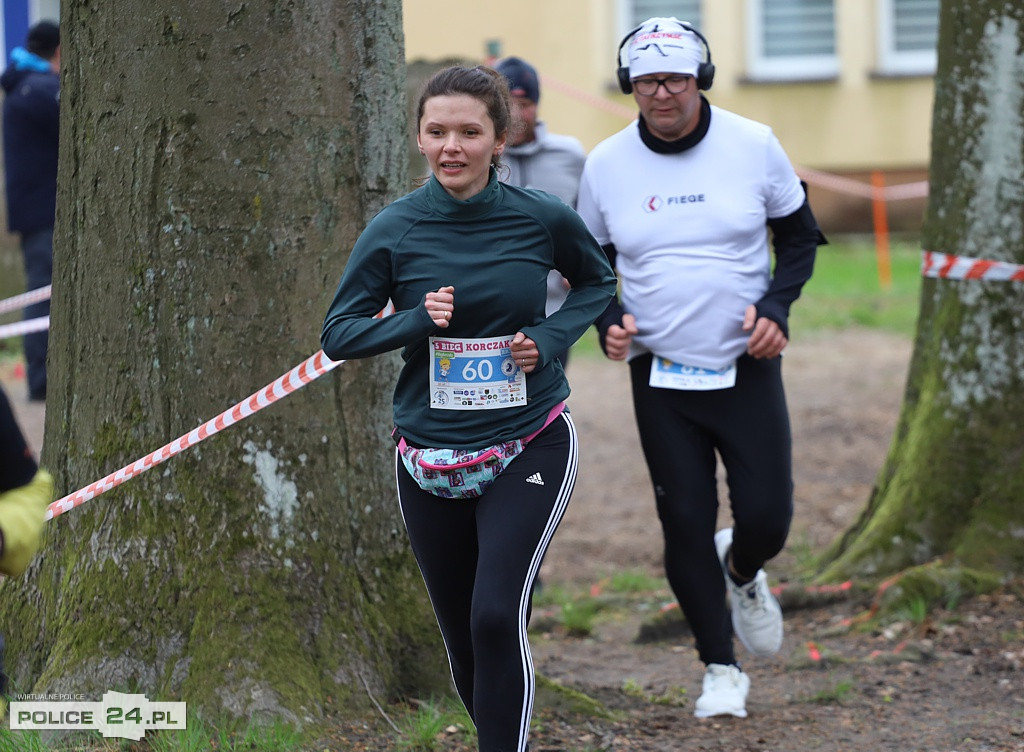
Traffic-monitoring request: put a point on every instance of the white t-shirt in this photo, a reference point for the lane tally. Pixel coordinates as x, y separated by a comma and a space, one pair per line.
690, 231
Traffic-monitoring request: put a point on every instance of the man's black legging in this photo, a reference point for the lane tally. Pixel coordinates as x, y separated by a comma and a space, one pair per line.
479, 559
681, 431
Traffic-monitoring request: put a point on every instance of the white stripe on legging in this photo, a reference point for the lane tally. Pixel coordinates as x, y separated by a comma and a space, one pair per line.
561, 503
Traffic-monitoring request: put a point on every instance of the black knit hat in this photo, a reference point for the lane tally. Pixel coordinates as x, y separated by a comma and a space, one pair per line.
522, 78
43, 39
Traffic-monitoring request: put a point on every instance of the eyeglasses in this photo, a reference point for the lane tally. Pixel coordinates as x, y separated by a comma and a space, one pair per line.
648, 87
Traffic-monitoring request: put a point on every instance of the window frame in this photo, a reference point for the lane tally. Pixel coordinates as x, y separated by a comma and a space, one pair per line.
44, 10
761, 67
893, 62
628, 19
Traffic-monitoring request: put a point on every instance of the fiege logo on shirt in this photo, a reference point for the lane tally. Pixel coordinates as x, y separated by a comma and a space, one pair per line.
653, 203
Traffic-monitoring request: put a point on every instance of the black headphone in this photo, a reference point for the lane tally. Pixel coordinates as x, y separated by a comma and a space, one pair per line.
705, 71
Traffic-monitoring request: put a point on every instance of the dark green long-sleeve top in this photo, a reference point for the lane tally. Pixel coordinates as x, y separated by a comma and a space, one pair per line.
496, 249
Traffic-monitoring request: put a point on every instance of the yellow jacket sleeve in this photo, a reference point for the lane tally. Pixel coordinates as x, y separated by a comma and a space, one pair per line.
22, 514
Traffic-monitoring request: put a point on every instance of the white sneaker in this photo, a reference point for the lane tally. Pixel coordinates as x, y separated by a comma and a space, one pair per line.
724, 692
756, 615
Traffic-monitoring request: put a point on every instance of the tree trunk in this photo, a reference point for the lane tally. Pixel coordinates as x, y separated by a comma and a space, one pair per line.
953, 482
218, 160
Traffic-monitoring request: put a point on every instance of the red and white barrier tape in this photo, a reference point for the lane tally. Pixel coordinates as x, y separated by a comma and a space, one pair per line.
312, 368
905, 190
947, 266
628, 113
864, 190
24, 327
308, 370
25, 299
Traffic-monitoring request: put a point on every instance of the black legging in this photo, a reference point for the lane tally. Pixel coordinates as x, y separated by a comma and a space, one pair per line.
479, 559
17, 465
748, 426
37, 251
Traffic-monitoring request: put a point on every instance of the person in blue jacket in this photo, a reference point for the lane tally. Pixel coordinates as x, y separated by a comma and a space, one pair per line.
31, 119
487, 452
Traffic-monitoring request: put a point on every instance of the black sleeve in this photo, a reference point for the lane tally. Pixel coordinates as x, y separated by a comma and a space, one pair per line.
613, 313
796, 238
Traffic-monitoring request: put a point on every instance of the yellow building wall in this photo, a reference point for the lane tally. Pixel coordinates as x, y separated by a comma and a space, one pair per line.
569, 42
853, 124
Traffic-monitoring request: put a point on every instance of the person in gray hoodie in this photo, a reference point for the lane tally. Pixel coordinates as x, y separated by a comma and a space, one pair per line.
536, 158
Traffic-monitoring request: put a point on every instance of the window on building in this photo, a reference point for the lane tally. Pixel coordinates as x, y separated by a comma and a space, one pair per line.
45, 9
791, 39
635, 12
908, 34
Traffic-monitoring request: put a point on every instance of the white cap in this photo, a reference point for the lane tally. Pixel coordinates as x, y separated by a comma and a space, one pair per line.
663, 45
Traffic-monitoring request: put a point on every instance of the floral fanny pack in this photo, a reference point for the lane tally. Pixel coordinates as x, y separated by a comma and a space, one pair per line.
464, 473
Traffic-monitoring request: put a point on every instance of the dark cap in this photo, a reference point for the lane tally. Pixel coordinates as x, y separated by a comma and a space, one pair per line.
522, 78
43, 39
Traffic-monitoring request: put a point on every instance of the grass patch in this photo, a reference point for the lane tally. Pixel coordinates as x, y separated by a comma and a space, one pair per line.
914, 610
800, 548
197, 736
578, 616
21, 741
846, 290
577, 610
552, 594
634, 582
555, 698
673, 696
586, 346
425, 729
80, 741
834, 694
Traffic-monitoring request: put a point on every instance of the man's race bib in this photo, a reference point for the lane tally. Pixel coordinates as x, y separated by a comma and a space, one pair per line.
474, 374
669, 375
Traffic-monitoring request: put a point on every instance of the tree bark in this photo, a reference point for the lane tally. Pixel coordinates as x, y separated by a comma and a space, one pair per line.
217, 162
953, 481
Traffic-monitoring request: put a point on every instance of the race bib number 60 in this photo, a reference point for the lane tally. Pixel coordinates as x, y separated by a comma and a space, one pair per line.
474, 374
